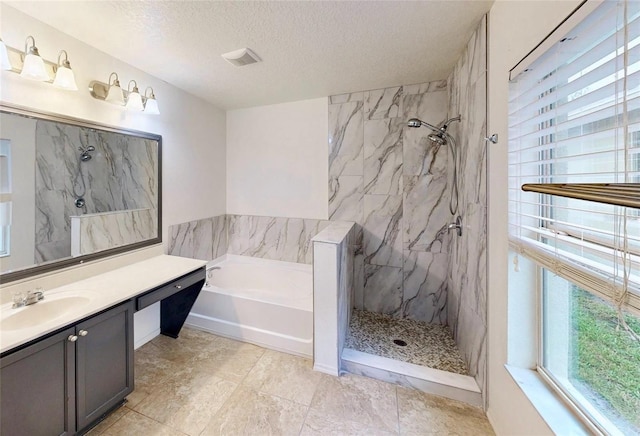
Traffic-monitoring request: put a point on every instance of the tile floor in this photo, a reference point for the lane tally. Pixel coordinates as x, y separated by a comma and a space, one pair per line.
202, 384
427, 345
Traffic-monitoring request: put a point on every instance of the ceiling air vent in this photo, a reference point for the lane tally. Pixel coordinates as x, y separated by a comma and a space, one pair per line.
241, 57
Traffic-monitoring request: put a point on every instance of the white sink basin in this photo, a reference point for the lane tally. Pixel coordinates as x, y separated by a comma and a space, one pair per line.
50, 308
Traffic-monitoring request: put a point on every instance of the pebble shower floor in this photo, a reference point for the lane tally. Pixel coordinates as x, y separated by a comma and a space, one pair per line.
429, 345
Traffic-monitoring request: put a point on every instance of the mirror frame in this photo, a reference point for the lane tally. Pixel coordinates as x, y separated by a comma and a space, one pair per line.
79, 260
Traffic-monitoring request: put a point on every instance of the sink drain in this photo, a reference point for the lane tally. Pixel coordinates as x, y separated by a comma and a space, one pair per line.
400, 342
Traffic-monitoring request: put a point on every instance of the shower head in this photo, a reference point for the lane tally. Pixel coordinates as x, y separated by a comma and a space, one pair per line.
415, 122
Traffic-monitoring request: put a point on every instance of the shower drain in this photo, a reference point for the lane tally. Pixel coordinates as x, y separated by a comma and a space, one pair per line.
400, 342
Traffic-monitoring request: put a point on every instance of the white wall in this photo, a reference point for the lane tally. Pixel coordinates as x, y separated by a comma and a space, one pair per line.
515, 27
277, 162
193, 131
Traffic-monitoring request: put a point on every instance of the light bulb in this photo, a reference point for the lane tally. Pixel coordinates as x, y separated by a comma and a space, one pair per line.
134, 100
65, 78
33, 67
151, 106
115, 94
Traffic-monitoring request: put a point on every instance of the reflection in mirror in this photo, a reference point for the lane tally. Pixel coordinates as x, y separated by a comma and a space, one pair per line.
74, 190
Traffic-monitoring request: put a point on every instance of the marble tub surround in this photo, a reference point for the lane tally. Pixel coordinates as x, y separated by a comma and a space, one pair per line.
275, 238
101, 231
467, 278
122, 175
429, 345
204, 239
392, 182
205, 384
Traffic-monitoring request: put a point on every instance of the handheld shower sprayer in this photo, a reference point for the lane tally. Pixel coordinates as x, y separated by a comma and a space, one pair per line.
440, 137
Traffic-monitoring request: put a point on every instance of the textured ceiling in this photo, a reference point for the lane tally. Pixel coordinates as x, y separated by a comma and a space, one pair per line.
309, 48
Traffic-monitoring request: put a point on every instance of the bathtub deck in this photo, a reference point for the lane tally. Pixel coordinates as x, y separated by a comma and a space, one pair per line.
428, 345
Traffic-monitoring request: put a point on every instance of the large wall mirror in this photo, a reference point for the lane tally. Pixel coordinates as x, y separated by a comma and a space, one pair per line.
73, 191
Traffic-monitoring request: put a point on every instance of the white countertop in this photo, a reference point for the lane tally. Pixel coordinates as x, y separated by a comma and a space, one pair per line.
104, 290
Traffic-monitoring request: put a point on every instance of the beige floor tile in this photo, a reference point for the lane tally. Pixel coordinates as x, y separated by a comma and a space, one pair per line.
187, 401
109, 421
248, 412
422, 414
228, 359
285, 376
319, 424
134, 424
151, 372
360, 399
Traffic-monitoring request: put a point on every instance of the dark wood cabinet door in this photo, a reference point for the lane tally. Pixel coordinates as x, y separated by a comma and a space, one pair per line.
104, 371
37, 388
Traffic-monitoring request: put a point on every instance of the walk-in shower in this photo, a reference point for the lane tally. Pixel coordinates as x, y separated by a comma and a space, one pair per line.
440, 137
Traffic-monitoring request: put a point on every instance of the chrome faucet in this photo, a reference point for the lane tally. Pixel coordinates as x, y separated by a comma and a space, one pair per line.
456, 226
209, 269
21, 299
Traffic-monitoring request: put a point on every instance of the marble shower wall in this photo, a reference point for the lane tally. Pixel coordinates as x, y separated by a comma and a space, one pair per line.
467, 280
122, 175
392, 181
275, 238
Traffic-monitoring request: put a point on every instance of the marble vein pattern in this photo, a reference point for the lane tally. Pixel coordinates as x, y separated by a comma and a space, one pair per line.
401, 196
122, 174
383, 156
102, 231
467, 276
429, 345
345, 198
196, 239
425, 287
426, 213
345, 139
382, 289
286, 239
382, 230
383, 103
206, 384
346, 98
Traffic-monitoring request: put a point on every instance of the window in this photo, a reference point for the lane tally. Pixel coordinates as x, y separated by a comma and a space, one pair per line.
574, 117
5, 197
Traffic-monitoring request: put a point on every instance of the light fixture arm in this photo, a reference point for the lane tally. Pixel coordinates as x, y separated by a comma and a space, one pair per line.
33, 50
116, 82
135, 86
66, 62
152, 94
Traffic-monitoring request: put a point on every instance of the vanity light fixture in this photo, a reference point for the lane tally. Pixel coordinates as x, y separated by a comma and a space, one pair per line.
65, 78
33, 67
5, 63
151, 106
134, 100
114, 93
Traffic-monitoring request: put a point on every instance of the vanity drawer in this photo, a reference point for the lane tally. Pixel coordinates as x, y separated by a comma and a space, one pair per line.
169, 289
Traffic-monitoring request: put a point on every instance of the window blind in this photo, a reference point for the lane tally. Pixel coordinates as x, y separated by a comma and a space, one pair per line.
574, 117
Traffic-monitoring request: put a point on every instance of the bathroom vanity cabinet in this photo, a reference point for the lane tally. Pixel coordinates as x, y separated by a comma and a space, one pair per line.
64, 382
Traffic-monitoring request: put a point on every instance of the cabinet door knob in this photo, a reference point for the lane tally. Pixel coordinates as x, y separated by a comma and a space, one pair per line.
178, 286
72, 338
83, 333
